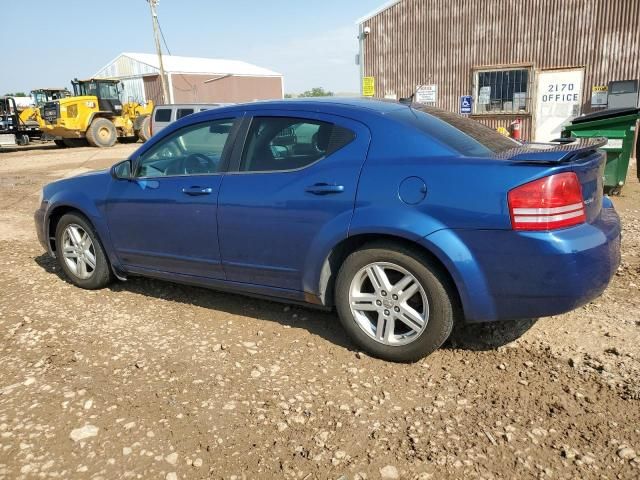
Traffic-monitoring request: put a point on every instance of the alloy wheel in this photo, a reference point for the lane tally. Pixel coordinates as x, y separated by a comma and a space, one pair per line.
388, 303
78, 251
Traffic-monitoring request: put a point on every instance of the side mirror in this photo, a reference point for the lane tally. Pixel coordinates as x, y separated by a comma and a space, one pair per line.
122, 170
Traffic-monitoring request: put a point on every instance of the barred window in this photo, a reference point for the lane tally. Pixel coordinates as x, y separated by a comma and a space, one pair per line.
502, 91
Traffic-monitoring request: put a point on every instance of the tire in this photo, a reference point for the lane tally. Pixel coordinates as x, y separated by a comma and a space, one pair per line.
75, 142
96, 277
102, 133
60, 143
405, 344
144, 133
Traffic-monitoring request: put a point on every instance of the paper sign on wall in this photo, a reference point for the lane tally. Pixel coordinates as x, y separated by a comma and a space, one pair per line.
368, 86
484, 96
426, 94
599, 95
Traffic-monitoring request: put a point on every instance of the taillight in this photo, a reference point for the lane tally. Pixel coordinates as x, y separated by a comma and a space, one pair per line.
548, 203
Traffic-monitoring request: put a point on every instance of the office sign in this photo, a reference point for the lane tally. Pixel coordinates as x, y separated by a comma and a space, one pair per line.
559, 98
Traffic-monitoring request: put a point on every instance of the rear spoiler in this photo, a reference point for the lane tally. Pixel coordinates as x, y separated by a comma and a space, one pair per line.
551, 152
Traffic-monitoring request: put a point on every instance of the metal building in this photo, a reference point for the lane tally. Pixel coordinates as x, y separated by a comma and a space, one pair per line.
192, 79
540, 61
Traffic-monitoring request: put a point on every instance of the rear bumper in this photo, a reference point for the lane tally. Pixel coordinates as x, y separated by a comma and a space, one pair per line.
538, 274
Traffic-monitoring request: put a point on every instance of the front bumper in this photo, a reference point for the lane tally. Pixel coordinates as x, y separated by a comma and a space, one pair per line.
539, 274
39, 217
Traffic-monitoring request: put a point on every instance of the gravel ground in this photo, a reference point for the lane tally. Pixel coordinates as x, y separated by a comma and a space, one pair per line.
153, 380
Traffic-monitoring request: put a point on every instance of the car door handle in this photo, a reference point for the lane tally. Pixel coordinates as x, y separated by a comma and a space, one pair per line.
324, 189
197, 191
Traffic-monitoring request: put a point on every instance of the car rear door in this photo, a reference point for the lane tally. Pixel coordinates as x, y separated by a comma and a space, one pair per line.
285, 199
164, 219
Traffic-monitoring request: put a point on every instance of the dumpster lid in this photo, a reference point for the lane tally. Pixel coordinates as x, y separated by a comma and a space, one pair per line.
614, 112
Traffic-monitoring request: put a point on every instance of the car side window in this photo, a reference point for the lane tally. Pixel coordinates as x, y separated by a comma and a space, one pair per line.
163, 115
193, 150
287, 143
183, 112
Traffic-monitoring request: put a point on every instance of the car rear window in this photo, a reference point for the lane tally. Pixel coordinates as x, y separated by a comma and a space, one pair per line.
163, 115
465, 136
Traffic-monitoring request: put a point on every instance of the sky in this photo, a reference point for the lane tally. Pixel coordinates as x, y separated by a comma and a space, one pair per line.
313, 43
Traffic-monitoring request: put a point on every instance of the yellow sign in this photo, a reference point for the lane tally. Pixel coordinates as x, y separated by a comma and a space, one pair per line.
599, 88
368, 86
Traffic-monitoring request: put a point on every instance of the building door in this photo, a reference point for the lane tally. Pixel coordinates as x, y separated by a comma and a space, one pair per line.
558, 100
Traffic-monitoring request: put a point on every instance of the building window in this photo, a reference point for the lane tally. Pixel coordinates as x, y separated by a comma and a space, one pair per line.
502, 91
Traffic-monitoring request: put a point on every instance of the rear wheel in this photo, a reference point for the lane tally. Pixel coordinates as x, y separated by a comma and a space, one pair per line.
80, 254
393, 303
102, 133
75, 142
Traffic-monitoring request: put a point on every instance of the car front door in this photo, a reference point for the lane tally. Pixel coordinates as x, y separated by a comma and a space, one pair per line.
164, 218
293, 188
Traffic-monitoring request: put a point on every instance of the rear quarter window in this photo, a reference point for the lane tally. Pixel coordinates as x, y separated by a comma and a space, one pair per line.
163, 115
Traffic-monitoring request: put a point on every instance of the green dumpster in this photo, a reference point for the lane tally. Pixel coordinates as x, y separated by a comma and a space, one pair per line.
619, 127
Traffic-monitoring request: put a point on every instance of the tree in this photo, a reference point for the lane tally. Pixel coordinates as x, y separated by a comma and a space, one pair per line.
288, 95
317, 92
17, 94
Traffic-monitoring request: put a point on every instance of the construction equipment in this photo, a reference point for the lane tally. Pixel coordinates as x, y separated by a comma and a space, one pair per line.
94, 114
14, 130
33, 113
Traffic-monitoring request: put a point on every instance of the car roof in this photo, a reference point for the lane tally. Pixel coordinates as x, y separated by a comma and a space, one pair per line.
358, 107
187, 105
376, 105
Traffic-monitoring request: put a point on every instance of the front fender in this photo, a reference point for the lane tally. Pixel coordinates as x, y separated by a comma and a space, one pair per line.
81, 202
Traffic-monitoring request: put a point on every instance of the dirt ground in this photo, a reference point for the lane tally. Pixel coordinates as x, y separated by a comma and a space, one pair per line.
153, 380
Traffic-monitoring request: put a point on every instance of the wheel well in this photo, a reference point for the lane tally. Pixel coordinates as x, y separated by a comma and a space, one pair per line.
349, 245
54, 218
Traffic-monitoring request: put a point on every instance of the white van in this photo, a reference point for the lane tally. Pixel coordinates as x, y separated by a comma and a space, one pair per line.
163, 115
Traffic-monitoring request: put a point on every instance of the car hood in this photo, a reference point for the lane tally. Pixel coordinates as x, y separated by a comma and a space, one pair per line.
89, 183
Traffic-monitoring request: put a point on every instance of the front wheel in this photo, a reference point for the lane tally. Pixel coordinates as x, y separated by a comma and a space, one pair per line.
393, 303
80, 254
102, 133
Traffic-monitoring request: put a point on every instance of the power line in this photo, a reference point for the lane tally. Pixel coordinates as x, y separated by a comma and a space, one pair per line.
164, 40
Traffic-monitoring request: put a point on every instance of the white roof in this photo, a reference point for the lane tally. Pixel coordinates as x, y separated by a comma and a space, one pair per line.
216, 66
378, 10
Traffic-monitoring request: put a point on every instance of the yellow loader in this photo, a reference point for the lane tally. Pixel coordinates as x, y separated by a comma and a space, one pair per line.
95, 114
32, 115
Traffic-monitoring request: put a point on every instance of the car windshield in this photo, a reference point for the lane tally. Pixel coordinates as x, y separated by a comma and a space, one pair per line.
466, 136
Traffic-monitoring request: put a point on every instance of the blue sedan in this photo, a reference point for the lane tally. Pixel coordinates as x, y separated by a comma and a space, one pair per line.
406, 220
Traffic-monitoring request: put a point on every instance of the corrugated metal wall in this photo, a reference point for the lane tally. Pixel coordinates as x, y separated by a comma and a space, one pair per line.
441, 42
235, 89
133, 90
125, 66
153, 89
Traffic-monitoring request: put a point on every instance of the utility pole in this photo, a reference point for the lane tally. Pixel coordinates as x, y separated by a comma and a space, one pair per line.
154, 18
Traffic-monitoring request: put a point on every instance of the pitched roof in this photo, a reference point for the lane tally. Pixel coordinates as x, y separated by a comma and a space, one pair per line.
216, 66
